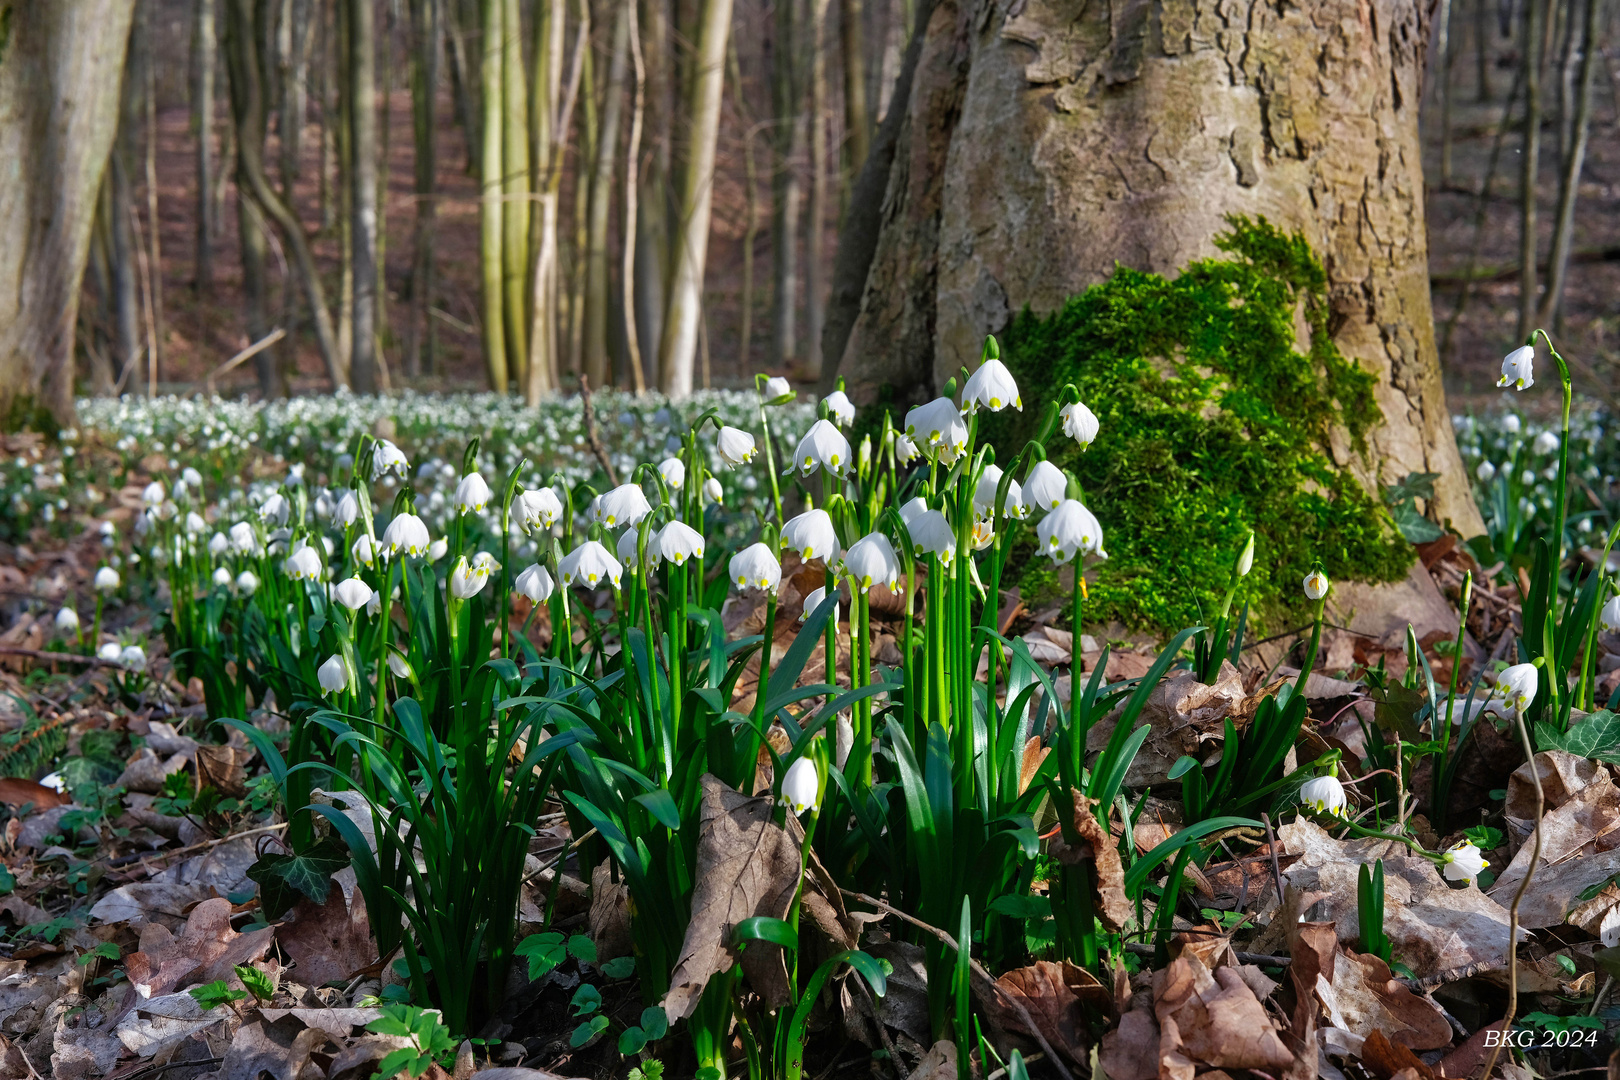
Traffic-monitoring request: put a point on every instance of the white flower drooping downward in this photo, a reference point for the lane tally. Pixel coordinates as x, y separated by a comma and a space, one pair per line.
822, 447
1080, 423
840, 409
388, 458
984, 496
736, 446
937, 427
813, 601
713, 492
468, 579
1045, 486
871, 560
352, 593
801, 787
755, 567
304, 564
625, 505
673, 470
1517, 686
589, 565
1464, 862
1068, 531
534, 583
1517, 368
678, 542
537, 509
931, 534
1610, 615
1316, 585
333, 675
811, 534
67, 621
993, 387
406, 533
472, 494
1325, 795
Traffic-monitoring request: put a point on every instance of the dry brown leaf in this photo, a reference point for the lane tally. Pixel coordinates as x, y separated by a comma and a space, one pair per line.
160, 1024
280, 1049
609, 919
1185, 717
18, 791
938, 1064
1469, 1058
1055, 995
1579, 838
1370, 999
1212, 1019
1096, 846
223, 768
1034, 754
747, 865
206, 949
1388, 1060
1563, 777
1131, 1051
328, 942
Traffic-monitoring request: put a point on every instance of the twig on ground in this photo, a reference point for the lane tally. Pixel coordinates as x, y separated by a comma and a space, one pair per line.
1258, 959
591, 436
978, 968
1271, 846
58, 657
202, 845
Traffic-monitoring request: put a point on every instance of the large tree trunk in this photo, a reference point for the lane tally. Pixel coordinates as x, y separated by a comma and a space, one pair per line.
363, 231
202, 121
59, 78
1041, 147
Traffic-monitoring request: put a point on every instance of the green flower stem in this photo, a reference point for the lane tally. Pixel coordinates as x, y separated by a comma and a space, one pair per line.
1442, 785
1585, 691
1316, 643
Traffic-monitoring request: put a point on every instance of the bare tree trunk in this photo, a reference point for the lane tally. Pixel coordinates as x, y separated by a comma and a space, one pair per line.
203, 45
745, 334
598, 365
632, 162
786, 188
515, 189
256, 290
815, 303
653, 200
585, 151
295, 91
1482, 51
548, 126
1443, 47
58, 114
155, 240
427, 43
1005, 203
362, 101
1570, 181
690, 240
1529, 166
490, 206
857, 118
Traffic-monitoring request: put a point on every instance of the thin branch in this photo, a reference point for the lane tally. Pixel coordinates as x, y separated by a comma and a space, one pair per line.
591, 435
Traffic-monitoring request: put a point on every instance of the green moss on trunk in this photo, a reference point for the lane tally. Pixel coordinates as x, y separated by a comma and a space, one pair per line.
1213, 422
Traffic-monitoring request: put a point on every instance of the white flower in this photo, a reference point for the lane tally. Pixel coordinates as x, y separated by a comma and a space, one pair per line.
388, 458
110, 652
304, 564
984, 496
905, 451
472, 494
1316, 585
625, 505
347, 512
467, 580
1486, 472
195, 525
133, 657
713, 492
218, 545
801, 787
811, 535
365, 550
1245, 561
243, 538
1069, 530
406, 533
400, 666
755, 567
537, 509
589, 565
1464, 862
984, 533
67, 620
992, 386
839, 408
1517, 686
1511, 424
931, 534
374, 605
871, 560
1546, 443
486, 562
677, 542
535, 583
736, 446
913, 509
1045, 486
191, 477
778, 391
222, 577
1080, 423
629, 545
53, 781
352, 593
938, 426
154, 494
276, 510
673, 470
1325, 795
247, 583
1610, 615
1516, 369
438, 549
333, 675
822, 446
106, 579
814, 600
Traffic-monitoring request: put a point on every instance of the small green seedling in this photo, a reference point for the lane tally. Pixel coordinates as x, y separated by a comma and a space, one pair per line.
430, 1040
213, 995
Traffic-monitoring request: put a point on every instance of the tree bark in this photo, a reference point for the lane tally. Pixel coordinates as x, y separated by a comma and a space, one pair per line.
154, 240
1530, 164
515, 192
1574, 161
598, 365
363, 192
203, 48
490, 204
815, 292
59, 82
787, 189
1040, 147
857, 118
427, 44
690, 238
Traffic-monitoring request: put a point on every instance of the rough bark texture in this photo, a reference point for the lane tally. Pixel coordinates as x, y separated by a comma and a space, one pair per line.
1046, 140
59, 79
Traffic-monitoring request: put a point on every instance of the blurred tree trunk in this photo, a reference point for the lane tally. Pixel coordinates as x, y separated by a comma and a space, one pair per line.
653, 199
598, 365
515, 191
427, 43
362, 108
689, 240
550, 116
787, 141
857, 118
59, 81
1023, 170
584, 150
154, 239
490, 206
121, 209
1574, 160
295, 89
1530, 163
815, 302
203, 48
464, 78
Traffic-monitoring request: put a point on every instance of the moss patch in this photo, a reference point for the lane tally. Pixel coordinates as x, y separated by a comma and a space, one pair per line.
1212, 423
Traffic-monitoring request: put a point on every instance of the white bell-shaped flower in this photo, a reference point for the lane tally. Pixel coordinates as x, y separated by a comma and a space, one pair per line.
625, 505
813, 601
333, 675
192, 478
221, 577
472, 494
153, 494
1045, 486
938, 428
629, 545
589, 565
1068, 531
1316, 585
1080, 423
931, 534
912, 509
755, 567
537, 509
677, 542
400, 666
991, 387
133, 657
438, 549
374, 605
1517, 686
106, 579
905, 451
195, 525
275, 510
243, 538
1609, 616
406, 534
303, 563
736, 446
247, 583
535, 583
673, 470
218, 544
1517, 368
984, 496
713, 492
822, 447
467, 579
1325, 795
1546, 443
347, 511
365, 550
871, 560
1463, 862
67, 620
811, 534
840, 410
352, 593
778, 391
388, 458
801, 787
110, 652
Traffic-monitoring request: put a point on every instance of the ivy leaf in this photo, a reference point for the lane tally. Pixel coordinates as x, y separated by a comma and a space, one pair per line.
1596, 736
284, 878
1416, 528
